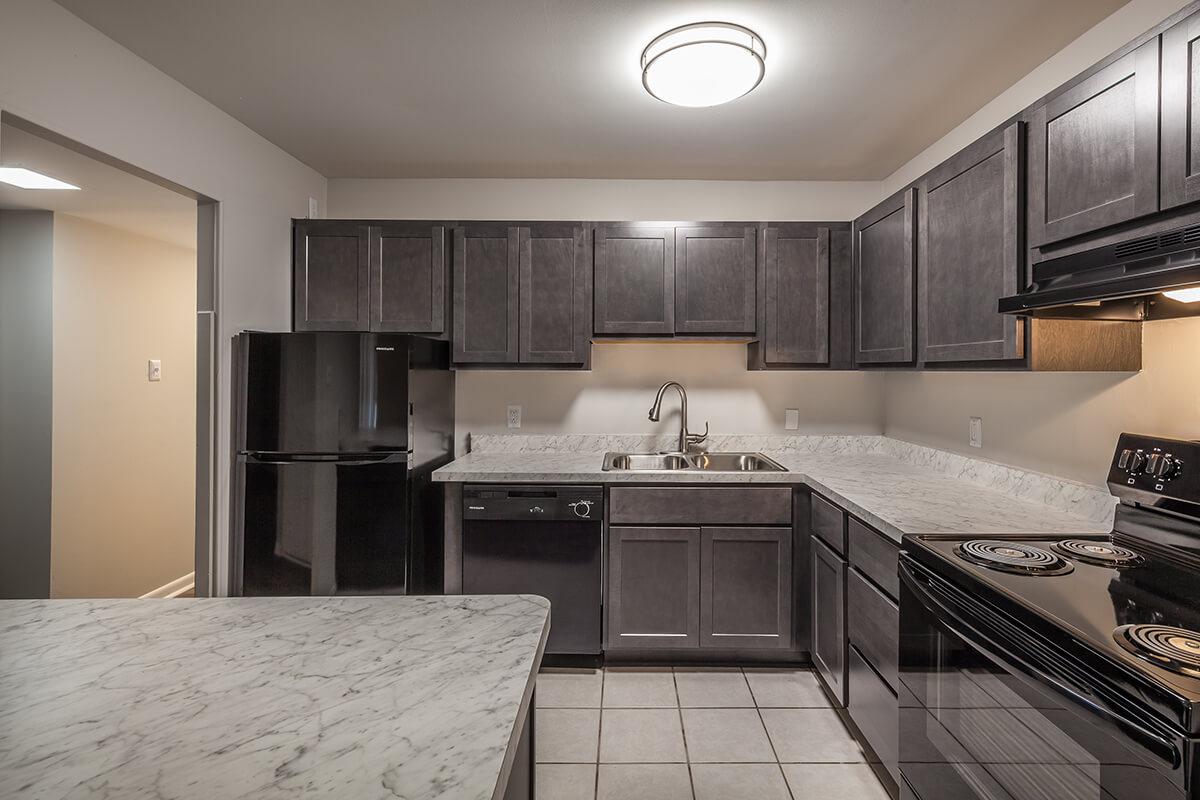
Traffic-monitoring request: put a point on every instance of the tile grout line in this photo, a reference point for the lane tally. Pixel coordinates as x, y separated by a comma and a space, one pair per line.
778, 765
599, 733
687, 759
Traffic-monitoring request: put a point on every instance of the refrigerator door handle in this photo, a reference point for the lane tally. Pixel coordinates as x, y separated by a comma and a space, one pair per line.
343, 460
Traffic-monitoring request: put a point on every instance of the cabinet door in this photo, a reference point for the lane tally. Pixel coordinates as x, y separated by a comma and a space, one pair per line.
969, 252
486, 278
1180, 182
795, 300
746, 587
408, 269
829, 618
635, 280
653, 587
884, 241
715, 279
329, 276
1094, 151
556, 294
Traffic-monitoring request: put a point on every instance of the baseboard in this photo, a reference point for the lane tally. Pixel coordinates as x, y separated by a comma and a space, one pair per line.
175, 588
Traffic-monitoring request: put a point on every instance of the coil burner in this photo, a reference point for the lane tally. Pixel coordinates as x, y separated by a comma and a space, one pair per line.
1104, 554
1019, 559
1176, 649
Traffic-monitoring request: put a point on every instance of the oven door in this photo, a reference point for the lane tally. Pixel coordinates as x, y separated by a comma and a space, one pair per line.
990, 710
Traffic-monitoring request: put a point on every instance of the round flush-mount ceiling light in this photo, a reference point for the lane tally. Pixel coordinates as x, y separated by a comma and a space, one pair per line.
703, 64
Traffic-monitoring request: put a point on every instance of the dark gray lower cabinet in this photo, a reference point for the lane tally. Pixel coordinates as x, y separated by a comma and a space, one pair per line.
746, 587
884, 279
486, 282
969, 251
653, 587
829, 618
556, 294
330, 276
875, 711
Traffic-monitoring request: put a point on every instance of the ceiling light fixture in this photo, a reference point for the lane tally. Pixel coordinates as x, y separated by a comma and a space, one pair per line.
703, 64
1191, 295
28, 179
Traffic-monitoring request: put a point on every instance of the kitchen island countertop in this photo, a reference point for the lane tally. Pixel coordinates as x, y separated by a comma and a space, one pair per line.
338, 697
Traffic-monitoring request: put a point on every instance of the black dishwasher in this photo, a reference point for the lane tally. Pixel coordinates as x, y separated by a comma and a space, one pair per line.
542, 540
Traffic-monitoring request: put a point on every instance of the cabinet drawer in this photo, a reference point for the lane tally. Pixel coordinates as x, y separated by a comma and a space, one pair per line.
829, 523
701, 505
873, 625
877, 556
875, 711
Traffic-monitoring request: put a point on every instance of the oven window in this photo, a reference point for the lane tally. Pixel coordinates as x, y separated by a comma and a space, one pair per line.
971, 728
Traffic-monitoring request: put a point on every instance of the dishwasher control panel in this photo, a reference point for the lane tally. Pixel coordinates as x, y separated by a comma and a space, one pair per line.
533, 502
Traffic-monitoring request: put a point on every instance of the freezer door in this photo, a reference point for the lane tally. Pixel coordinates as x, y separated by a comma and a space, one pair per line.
322, 392
313, 527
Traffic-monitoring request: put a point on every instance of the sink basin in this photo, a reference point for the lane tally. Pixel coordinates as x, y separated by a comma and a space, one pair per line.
735, 462
699, 462
650, 462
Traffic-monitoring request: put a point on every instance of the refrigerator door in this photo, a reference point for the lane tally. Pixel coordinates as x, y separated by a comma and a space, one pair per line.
323, 392
316, 526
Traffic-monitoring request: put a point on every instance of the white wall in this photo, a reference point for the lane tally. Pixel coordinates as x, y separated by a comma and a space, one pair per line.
615, 395
64, 75
1065, 424
123, 491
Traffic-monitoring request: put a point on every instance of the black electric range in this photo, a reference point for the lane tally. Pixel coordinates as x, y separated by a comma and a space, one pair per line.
1039, 667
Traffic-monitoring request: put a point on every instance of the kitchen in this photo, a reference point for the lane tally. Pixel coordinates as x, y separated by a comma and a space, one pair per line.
912, 512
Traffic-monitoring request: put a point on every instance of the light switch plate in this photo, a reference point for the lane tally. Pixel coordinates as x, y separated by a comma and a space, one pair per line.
976, 432
791, 419
154, 370
313, 211
514, 416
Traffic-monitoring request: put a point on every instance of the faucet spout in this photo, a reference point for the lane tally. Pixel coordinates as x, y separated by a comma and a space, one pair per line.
656, 411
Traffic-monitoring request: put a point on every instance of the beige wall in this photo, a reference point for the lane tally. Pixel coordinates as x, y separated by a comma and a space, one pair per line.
615, 396
122, 502
59, 72
1063, 424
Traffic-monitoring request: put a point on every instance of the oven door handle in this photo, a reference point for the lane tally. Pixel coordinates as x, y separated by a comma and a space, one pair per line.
919, 582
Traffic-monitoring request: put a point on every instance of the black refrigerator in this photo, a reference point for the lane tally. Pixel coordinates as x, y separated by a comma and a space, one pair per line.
336, 436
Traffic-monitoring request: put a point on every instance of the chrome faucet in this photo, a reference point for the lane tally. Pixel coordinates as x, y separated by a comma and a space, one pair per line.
686, 440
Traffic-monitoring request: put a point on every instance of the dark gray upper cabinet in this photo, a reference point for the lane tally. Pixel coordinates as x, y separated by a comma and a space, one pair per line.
1180, 181
715, 279
794, 314
486, 281
884, 264
746, 587
969, 251
653, 587
1093, 151
635, 280
556, 294
408, 269
330, 276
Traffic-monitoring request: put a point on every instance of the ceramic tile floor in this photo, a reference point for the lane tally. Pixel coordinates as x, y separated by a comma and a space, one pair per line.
657, 733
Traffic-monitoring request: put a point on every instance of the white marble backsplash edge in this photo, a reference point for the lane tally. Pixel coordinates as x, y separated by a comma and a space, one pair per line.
1093, 503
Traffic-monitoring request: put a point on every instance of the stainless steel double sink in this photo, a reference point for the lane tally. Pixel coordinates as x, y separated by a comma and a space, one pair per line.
690, 462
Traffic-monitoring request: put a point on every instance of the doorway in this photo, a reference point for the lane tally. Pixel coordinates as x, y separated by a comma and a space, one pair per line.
107, 321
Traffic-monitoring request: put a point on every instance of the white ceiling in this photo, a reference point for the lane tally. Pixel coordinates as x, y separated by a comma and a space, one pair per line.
542, 88
107, 195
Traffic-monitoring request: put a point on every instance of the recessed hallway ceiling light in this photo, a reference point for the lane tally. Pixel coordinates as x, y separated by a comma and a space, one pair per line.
703, 64
28, 179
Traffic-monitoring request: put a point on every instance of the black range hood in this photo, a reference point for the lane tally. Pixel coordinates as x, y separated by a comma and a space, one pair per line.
1122, 281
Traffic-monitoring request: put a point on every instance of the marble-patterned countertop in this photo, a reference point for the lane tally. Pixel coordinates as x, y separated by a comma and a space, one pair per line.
894, 486
346, 697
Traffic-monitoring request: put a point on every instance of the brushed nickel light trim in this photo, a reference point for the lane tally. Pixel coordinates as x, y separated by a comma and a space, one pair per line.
668, 47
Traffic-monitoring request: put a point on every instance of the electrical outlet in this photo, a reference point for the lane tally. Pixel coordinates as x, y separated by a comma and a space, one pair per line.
975, 437
514, 416
791, 419
313, 211
154, 370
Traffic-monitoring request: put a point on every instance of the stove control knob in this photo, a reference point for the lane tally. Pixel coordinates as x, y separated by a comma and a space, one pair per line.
1137, 463
1162, 466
